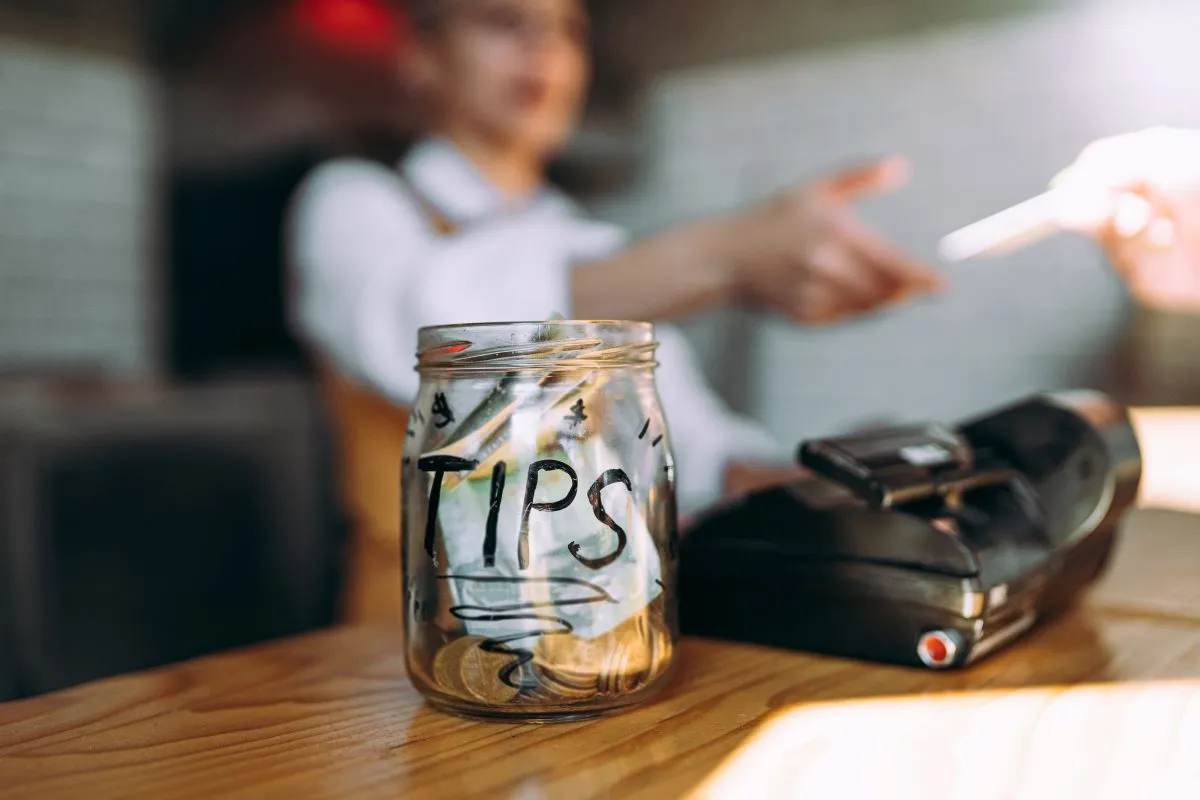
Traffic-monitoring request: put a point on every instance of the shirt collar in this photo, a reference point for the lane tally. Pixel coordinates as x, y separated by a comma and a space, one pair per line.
446, 178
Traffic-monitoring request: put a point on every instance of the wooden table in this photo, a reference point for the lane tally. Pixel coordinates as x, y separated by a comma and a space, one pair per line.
332, 715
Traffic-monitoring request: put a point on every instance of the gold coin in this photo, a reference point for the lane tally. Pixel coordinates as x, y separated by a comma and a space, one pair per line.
618, 675
637, 657
644, 662
616, 660
480, 673
551, 692
575, 667
664, 654
560, 664
447, 666
565, 687
629, 666
567, 653
537, 693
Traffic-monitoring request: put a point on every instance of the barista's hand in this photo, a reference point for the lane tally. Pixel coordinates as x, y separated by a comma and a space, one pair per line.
806, 255
1139, 196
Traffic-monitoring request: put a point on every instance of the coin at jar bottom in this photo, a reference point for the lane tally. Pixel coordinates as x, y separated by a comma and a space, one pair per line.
480, 673
447, 666
564, 685
567, 653
624, 674
621, 673
664, 652
543, 690
618, 662
619, 679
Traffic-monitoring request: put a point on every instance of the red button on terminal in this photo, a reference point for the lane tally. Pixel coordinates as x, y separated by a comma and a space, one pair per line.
937, 648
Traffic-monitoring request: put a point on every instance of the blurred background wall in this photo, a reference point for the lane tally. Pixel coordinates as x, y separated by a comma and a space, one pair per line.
78, 212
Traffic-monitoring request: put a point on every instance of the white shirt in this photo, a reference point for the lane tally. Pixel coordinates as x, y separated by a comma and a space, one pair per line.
369, 272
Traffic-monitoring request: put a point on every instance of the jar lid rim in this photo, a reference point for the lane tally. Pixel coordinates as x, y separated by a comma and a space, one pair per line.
563, 344
631, 325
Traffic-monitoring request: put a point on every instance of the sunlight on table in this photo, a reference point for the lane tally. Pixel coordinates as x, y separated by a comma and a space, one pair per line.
1170, 443
1120, 741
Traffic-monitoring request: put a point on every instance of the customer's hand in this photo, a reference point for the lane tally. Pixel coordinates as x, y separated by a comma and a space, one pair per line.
1139, 195
804, 253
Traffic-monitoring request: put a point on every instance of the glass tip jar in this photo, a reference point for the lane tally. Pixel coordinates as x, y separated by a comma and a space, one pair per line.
539, 527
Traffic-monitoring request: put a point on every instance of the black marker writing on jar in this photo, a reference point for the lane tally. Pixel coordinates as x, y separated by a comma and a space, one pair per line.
603, 482
531, 485
440, 465
646, 429
497, 495
511, 612
577, 415
441, 411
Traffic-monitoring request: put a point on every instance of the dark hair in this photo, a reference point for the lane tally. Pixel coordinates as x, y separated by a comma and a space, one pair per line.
424, 14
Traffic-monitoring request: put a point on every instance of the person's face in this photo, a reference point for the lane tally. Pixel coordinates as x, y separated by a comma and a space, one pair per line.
511, 70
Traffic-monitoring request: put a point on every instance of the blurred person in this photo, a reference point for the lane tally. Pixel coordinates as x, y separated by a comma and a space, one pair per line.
467, 229
1138, 195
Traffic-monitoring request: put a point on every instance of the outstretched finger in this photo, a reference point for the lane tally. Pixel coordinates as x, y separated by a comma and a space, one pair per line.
874, 177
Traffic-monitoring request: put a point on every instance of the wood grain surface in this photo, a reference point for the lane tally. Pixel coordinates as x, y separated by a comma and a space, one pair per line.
332, 715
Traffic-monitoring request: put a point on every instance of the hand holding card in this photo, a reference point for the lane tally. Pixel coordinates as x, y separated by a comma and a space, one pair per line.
1138, 195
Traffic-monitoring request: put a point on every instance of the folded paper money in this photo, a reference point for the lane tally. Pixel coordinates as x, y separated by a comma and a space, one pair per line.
556, 592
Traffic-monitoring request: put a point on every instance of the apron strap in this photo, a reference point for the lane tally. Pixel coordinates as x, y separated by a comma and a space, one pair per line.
371, 435
435, 219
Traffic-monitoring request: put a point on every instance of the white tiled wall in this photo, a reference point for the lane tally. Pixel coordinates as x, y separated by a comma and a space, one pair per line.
987, 113
75, 216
